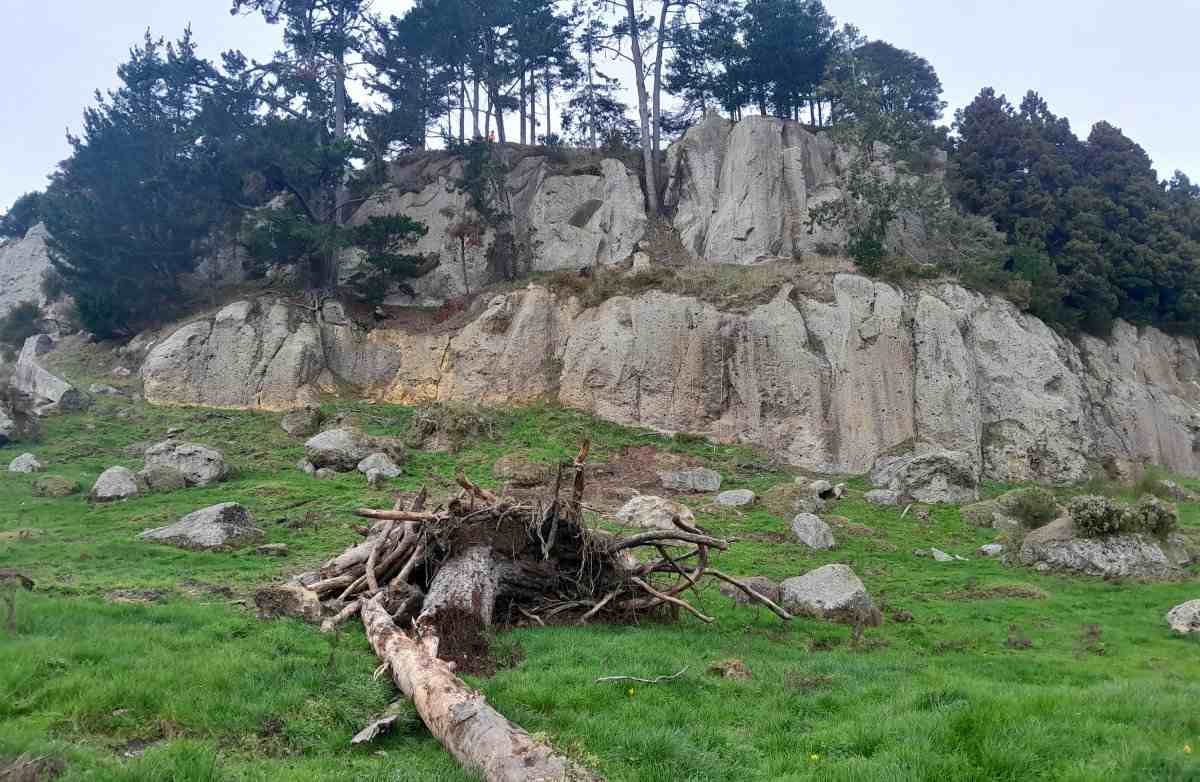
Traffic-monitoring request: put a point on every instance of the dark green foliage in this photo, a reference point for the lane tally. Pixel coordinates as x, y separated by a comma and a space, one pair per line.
483, 180
18, 325
25, 213
1097, 516
1033, 507
1151, 516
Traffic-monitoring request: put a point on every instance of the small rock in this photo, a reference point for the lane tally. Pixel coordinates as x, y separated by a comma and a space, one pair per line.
25, 463
325, 473
306, 467
813, 532
1185, 617
303, 421
991, 550
652, 512
902, 617
273, 550
735, 498
921, 552
839, 491
99, 389
693, 479
115, 483
940, 556
883, 497
121, 372
175, 430
376, 478
162, 479
199, 465
226, 525
381, 463
761, 584
54, 486
339, 449
822, 488
831, 592
1176, 492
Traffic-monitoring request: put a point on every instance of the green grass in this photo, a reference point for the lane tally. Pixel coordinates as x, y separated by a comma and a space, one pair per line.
211, 693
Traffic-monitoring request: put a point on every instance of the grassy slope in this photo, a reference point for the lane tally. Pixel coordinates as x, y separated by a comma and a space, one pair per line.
223, 696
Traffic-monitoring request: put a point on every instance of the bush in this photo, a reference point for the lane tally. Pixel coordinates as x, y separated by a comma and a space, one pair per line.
17, 326
1151, 516
1096, 516
1033, 507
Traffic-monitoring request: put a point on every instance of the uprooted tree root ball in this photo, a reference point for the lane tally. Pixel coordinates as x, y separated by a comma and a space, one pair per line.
428, 584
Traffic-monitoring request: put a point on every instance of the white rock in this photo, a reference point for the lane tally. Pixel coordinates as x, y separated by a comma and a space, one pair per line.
115, 483
380, 463
813, 532
692, 479
23, 262
932, 476
46, 390
940, 556
735, 498
991, 550
652, 512
100, 389
25, 463
1058, 546
1185, 617
199, 465
339, 449
832, 592
227, 525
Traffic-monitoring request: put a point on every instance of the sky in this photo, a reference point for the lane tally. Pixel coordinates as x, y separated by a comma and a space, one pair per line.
1132, 64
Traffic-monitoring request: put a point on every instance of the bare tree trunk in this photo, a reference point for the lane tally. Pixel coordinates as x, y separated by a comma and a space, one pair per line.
639, 67
499, 114
660, 55
475, 108
342, 195
477, 735
549, 90
521, 118
533, 123
462, 110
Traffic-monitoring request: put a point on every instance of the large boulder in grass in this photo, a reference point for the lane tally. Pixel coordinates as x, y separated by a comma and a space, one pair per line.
652, 512
115, 483
934, 476
198, 464
162, 479
303, 421
1059, 546
343, 448
46, 391
831, 592
25, 463
1185, 617
228, 525
810, 530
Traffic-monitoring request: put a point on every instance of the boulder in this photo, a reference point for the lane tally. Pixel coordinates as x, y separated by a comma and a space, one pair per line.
813, 532
830, 592
23, 263
1185, 617
823, 489
115, 483
692, 479
379, 463
199, 465
652, 512
25, 463
735, 498
376, 478
47, 391
227, 525
162, 478
303, 421
55, 486
306, 467
932, 476
882, 497
100, 389
1059, 547
990, 550
940, 556
761, 584
519, 470
340, 449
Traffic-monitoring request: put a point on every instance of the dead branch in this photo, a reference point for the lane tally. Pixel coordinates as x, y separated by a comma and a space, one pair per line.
655, 680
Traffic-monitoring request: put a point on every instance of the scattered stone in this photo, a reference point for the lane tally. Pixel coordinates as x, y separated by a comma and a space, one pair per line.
924, 553
731, 669
162, 479
376, 478
380, 463
343, 448
822, 488
306, 467
1185, 617
693, 479
121, 372
272, 550
519, 470
940, 556
227, 525
55, 486
813, 532
175, 430
325, 474
761, 584
292, 600
991, 550
100, 389
115, 483
303, 421
882, 497
932, 476
902, 617
1059, 546
735, 498
831, 592
648, 511
199, 465
1176, 492
25, 463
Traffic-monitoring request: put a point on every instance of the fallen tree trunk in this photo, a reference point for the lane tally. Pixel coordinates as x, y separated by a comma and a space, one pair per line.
478, 736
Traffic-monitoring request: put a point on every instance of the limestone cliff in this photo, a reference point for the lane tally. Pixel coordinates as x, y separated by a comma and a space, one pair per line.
826, 385
22, 264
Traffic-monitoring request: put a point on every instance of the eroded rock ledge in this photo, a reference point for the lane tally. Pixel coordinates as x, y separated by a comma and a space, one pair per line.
828, 386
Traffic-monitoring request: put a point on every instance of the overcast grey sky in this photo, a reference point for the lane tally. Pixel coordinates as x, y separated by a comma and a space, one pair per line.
1133, 64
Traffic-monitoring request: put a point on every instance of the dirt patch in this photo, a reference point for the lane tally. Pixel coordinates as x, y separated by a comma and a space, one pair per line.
633, 471
765, 537
851, 528
21, 534
26, 768
464, 641
731, 669
193, 587
1012, 591
135, 596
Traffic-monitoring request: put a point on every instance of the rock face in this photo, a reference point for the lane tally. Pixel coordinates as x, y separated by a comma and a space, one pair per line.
44, 389
227, 525
115, 483
1185, 617
813, 532
25, 463
831, 592
931, 476
653, 512
22, 264
199, 465
1058, 546
761, 584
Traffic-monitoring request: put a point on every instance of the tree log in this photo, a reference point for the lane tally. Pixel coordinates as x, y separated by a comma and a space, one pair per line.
477, 735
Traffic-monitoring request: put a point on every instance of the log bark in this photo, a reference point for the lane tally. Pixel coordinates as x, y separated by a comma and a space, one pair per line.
477, 735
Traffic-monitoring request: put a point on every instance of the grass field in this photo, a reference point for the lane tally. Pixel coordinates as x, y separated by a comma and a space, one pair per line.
192, 686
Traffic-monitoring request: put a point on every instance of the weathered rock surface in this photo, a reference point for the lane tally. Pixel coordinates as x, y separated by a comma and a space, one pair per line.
55, 486
1058, 546
227, 525
339, 449
46, 391
304, 421
735, 498
692, 479
1185, 617
162, 478
882, 497
22, 264
381, 464
8, 428
115, 483
831, 592
990, 550
292, 600
198, 464
828, 386
652, 512
932, 476
25, 463
813, 532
